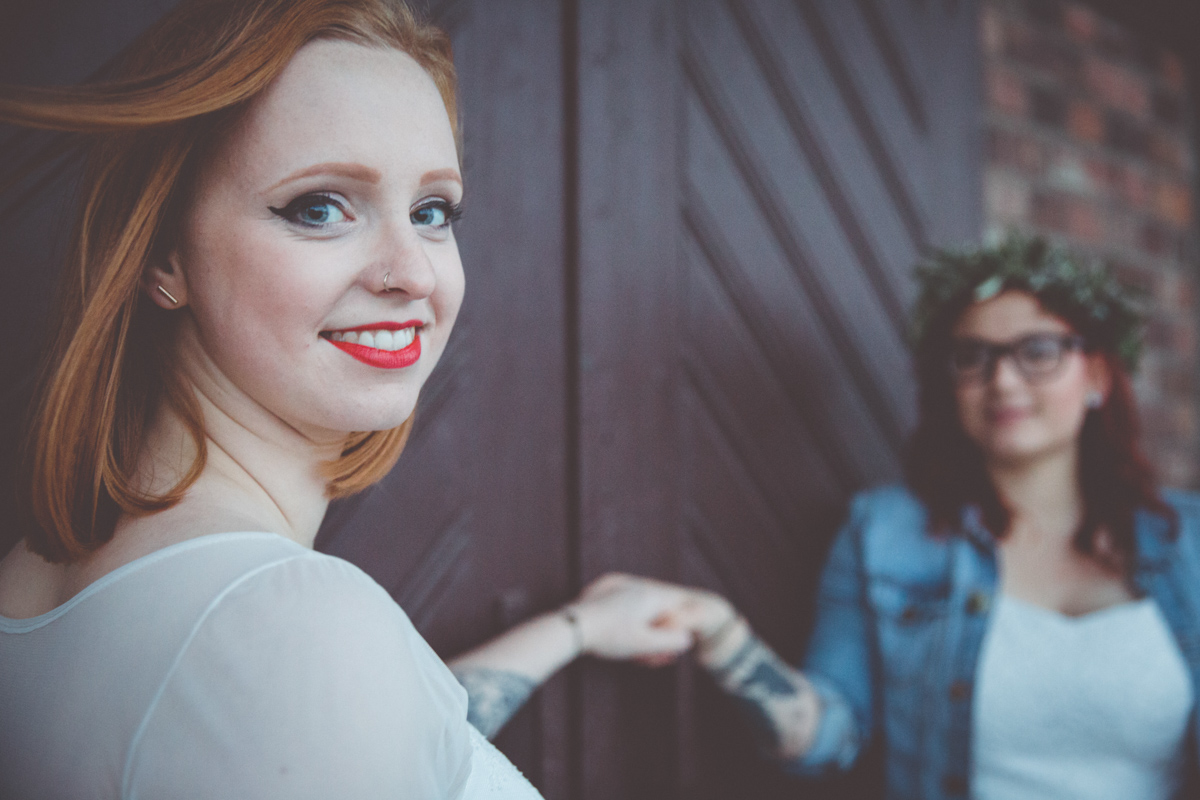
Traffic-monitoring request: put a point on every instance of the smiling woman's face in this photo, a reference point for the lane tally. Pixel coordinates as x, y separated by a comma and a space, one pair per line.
342, 175
1015, 418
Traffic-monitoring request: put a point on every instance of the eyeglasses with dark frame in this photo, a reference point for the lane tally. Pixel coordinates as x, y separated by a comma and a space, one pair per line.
1037, 357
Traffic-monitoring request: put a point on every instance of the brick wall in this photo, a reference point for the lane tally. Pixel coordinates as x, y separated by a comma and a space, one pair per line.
1087, 141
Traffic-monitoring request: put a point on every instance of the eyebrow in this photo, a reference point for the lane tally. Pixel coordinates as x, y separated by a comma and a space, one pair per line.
350, 170
447, 174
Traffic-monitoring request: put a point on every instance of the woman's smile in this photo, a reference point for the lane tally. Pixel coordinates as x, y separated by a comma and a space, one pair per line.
387, 345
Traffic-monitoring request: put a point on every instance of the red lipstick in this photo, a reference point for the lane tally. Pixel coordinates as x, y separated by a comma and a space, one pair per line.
384, 359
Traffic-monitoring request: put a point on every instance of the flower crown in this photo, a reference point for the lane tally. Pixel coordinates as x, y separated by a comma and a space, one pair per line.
1112, 315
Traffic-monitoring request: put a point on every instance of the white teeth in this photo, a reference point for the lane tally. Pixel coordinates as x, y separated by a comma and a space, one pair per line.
379, 340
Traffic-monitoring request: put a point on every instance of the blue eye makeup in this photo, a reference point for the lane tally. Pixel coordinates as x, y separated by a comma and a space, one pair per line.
436, 214
313, 211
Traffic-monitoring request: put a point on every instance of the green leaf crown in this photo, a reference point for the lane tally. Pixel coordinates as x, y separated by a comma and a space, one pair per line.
1110, 316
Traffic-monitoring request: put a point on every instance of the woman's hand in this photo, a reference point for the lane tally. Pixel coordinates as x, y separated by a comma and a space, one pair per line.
630, 617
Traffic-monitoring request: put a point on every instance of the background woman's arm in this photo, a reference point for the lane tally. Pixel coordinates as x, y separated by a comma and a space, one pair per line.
616, 617
778, 699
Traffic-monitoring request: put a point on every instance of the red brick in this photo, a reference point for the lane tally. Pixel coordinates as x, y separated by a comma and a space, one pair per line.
1157, 240
1137, 276
1077, 218
1114, 42
1084, 122
1126, 134
1007, 197
1158, 335
1069, 170
1173, 202
1117, 87
1051, 55
1007, 93
1185, 345
1080, 22
1086, 223
1173, 71
1134, 188
1104, 177
1171, 291
1016, 150
1168, 151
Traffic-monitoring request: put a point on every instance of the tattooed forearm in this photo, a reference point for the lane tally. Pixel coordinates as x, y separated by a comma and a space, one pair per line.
779, 701
493, 696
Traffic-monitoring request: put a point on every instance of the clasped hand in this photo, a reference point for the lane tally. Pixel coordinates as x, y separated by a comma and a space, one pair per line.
629, 617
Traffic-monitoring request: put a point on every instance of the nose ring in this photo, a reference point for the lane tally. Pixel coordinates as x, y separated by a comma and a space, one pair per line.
385, 279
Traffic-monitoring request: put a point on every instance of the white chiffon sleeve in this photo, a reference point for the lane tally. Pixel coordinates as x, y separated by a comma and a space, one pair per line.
303, 679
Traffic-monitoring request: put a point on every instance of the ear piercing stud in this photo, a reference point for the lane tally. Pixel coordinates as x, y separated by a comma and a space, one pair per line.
169, 296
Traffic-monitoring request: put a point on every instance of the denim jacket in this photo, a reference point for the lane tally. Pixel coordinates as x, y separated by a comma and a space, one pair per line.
901, 616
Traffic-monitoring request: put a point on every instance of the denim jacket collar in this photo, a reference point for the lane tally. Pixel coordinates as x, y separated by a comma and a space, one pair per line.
1154, 542
1153, 532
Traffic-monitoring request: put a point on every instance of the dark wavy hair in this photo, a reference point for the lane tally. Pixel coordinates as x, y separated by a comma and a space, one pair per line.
946, 469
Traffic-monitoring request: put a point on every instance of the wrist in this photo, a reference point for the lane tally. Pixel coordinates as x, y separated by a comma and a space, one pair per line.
717, 615
715, 650
570, 615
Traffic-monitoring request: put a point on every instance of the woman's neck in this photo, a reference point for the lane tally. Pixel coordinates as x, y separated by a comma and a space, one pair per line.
1043, 494
259, 474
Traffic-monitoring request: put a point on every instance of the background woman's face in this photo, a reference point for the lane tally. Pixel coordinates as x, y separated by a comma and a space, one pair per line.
343, 172
1010, 417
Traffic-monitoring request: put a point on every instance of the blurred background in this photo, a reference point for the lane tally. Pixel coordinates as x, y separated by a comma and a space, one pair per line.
689, 231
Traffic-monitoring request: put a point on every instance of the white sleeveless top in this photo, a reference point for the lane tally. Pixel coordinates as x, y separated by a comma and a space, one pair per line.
236, 665
1092, 707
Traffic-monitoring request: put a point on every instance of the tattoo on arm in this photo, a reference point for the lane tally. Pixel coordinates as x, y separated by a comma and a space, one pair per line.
493, 696
779, 701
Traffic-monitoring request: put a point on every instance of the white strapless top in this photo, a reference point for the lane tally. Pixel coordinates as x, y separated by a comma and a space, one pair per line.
1093, 707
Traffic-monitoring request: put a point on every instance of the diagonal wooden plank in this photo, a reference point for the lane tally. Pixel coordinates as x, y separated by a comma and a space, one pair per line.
769, 62
789, 234
856, 103
811, 416
899, 69
792, 242
737, 470
751, 400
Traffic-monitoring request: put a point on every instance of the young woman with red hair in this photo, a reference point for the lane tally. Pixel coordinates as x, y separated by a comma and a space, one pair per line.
263, 274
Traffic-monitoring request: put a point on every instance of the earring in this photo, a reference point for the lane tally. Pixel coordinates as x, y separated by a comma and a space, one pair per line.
1094, 399
169, 296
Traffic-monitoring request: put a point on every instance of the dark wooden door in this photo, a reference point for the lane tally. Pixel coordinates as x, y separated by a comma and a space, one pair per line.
756, 178
688, 234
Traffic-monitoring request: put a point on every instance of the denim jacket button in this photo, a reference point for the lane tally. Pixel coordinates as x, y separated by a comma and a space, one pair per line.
954, 784
978, 602
960, 690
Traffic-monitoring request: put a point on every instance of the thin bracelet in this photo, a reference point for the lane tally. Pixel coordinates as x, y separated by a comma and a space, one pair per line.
572, 617
713, 641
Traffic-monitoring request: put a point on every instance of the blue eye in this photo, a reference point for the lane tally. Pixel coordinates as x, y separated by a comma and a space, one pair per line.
438, 214
312, 211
